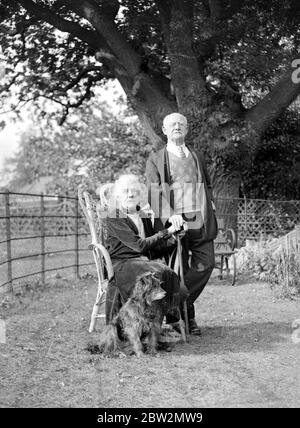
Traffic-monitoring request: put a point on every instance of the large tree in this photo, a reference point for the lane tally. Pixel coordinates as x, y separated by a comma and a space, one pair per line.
226, 64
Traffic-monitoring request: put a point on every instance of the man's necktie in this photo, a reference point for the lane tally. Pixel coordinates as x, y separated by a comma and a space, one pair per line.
181, 152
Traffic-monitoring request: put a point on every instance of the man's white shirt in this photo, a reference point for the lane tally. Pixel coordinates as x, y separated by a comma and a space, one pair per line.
172, 148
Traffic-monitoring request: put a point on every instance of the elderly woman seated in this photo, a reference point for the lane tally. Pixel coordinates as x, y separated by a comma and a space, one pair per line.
135, 244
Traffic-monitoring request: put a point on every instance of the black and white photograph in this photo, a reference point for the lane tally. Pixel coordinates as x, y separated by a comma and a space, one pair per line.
149, 207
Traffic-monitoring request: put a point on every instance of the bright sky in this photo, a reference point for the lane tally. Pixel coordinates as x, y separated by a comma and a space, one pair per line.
9, 139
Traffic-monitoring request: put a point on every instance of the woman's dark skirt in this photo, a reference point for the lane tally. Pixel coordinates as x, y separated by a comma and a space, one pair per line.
126, 273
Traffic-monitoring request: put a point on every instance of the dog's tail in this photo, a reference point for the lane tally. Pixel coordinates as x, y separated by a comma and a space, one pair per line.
109, 341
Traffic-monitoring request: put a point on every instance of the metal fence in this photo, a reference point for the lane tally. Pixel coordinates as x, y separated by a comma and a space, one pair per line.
40, 234
258, 218
43, 234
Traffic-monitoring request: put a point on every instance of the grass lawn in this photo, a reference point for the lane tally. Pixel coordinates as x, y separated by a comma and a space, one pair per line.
246, 356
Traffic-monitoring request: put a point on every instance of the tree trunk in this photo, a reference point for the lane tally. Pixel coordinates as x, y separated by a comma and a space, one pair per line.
226, 192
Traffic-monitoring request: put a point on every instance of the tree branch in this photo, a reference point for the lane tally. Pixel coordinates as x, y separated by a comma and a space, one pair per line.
80, 76
142, 90
177, 20
261, 116
6, 87
85, 95
105, 26
78, 103
93, 38
46, 14
112, 49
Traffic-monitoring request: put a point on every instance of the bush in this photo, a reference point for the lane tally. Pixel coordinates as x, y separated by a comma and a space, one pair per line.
278, 267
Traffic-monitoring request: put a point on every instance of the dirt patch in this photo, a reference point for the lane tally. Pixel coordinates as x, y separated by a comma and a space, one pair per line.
245, 357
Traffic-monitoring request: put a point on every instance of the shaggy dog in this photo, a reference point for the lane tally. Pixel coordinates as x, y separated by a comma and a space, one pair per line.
141, 314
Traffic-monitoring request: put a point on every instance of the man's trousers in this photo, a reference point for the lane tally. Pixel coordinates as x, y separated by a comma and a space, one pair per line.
198, 259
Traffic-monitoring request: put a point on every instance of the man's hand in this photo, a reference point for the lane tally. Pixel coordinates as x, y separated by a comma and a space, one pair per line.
177, 221
179, 232
171, 230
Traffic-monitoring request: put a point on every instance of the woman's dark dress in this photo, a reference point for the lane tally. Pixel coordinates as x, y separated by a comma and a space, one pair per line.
132, 256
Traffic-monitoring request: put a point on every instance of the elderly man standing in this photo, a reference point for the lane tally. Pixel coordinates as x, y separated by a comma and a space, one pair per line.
180, 191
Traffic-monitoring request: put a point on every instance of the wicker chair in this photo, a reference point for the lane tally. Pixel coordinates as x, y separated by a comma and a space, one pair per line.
102, 259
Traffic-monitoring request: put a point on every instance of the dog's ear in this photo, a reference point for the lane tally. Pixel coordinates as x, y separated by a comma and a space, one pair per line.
148, 295
138, 289
152, 289
148, 284
142, 286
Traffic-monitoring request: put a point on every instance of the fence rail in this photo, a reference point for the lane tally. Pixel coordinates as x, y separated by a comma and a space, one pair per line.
41, 233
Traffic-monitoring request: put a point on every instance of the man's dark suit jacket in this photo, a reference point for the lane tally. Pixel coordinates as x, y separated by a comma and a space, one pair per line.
160, 196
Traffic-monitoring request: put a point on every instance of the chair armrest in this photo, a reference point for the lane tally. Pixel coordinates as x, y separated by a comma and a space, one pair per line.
106, 256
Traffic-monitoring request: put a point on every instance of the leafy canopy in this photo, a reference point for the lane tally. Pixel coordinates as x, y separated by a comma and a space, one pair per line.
92, 147
40, 61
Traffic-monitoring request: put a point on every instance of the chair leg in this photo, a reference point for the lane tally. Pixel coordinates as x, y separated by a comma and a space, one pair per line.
95, 311
94, 317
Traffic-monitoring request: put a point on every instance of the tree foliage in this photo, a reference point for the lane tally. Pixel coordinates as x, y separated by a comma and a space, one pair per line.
225, 64
274, 172
92, 147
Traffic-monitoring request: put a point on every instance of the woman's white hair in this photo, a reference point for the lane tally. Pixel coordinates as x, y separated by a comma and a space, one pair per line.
124, 180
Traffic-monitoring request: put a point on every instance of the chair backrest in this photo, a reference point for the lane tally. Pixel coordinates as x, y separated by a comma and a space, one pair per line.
105, 193
102, 258
88, 207
93, 212
226, 238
